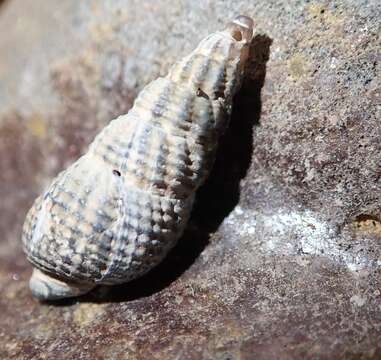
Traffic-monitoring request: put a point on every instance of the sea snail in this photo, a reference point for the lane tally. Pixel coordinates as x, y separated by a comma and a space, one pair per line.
116, 212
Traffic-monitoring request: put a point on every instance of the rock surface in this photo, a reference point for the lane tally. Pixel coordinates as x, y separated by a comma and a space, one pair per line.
282, 258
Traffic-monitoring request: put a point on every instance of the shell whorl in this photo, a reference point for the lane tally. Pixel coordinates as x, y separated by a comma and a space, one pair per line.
116, 212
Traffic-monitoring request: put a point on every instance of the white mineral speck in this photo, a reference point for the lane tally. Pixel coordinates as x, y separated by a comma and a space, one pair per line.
358, 300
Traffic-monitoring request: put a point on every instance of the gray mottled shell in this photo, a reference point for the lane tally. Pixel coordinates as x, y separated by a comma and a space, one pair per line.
116, 212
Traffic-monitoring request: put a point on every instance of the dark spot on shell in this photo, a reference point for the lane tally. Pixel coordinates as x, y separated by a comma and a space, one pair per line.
116, 172
202, 93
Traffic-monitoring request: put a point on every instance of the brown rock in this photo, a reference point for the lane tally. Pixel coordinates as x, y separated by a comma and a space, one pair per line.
282, 257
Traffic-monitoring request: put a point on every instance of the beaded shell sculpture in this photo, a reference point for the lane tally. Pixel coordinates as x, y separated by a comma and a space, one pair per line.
116, 212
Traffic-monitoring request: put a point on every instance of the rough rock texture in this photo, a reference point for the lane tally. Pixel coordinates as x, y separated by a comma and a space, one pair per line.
282, 258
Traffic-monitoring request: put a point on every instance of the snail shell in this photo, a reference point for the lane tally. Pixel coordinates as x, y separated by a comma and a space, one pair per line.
116, 212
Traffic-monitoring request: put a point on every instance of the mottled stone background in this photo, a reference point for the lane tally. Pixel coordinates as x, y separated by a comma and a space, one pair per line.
282, 258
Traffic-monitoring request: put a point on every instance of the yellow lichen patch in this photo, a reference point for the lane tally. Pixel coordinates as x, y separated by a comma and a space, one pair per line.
12, 347
324, 25
119, 349
319, 12
87, 61
315, 10
102, 31
298, 66
222, 339
13, 290
43, 330
367, 224
86, 314
37, 126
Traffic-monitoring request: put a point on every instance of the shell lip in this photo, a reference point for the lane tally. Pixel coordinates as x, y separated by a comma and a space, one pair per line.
46, 287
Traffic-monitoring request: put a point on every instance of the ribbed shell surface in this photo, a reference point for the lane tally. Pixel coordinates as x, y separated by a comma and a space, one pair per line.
117, 211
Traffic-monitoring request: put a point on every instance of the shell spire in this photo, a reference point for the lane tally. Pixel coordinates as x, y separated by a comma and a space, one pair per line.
115, 213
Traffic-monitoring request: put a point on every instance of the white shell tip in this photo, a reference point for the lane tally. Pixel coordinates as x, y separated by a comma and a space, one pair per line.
241, 28
244, 21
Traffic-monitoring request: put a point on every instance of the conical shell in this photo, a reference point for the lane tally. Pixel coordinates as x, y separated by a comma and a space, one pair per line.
117, 211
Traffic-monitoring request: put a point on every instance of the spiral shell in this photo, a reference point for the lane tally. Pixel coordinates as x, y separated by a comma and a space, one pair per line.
116, 212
